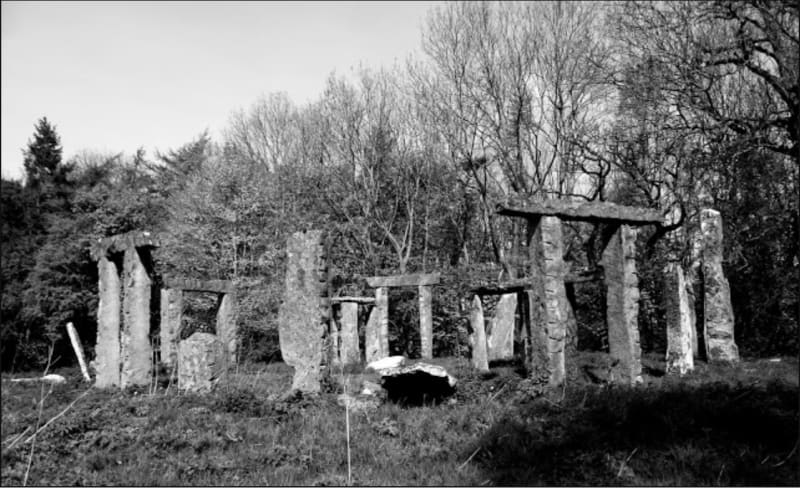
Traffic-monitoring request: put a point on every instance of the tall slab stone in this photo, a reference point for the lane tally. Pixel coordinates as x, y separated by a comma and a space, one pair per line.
372, 337
135, 348
171, 313
200, 362
303, 313
333, 344
348, 334
680, 356
426, 321
622, 305
382, 310
717, 309
480, 358
226, 326
550, 310
107, 360
500, 340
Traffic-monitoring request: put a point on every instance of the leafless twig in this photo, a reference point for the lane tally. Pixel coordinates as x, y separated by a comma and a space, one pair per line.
469, 458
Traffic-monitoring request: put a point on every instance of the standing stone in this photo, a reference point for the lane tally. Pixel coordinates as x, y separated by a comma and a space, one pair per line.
226, 326
717, 309
171, 313
372, 337
333, 344
382, 307
426, 321
136, 352
348, 349
108, 320
200, 362
302, 315
680, 357
622, 305
480, 359
500, 340
551, 309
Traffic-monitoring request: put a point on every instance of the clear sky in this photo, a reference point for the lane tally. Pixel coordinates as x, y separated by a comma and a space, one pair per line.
114, 76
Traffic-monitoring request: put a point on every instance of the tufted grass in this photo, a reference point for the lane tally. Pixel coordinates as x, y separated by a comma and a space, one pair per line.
717, 426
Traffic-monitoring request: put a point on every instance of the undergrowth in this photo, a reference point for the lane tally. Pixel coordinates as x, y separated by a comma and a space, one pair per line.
717, 426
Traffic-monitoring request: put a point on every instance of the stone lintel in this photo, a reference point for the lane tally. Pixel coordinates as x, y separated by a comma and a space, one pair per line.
522, 284
188, 284
121, 242
418, 279
581, 211
359, 300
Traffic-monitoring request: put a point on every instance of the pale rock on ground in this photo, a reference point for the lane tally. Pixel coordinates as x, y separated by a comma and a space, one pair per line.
386, 363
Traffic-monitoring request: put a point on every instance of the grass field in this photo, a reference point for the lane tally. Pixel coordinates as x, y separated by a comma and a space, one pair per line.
719, 425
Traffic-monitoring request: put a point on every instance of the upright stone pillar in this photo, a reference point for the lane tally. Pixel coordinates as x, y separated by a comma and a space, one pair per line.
334, 344
680, 357
348, 334
107, 361
171, 312
136, 351
622, 305
302, 315
551, 308
426, 321
500, 340
372, 337
717, 308
201, 359
480, 359
382, 310
226, 326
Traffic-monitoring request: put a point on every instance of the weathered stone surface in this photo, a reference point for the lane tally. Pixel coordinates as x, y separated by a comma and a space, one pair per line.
333, 344
359, 300
691, 280
480, 358
189, 284
622, 305
200, 361
371, 388
680, 358
386, 363
426, 321
227, 329
302, 314
372, 337
550, 310
348, 338
420, 279
582, 211
500, 339
382, 310
107, 349
418, 383
717, 309
135, 350
358, 403
122, 242
171, 313
522, 284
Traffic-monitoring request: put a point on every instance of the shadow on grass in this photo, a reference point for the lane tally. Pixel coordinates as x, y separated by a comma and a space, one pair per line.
714, 434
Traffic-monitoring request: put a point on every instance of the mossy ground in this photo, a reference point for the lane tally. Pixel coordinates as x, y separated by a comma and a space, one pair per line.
720, 425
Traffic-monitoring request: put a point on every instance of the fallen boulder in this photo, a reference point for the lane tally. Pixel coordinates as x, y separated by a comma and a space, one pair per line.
386, 363
417, 384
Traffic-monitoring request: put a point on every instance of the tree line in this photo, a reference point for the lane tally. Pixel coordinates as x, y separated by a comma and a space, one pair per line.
673, 105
